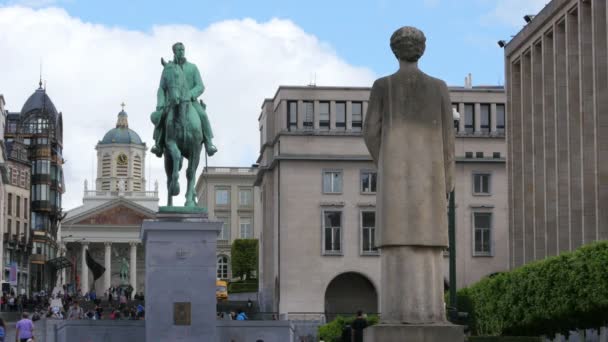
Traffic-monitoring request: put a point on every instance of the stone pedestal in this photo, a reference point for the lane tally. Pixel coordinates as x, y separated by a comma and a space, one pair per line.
180, 277
414, 333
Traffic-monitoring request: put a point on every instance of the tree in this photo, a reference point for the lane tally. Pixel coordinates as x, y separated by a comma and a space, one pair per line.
244, 257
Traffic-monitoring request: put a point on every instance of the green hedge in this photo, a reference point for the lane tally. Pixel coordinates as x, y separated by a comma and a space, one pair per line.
332, 331
249, 285
555, 295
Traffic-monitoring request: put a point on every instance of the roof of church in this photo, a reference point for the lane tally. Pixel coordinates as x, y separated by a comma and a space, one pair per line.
39, 100
122, 134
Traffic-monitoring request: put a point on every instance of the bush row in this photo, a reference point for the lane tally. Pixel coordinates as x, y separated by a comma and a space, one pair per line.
332, 331
551, 296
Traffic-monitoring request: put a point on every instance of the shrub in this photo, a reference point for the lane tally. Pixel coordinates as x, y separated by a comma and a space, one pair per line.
554, 295
332, 331
244, 257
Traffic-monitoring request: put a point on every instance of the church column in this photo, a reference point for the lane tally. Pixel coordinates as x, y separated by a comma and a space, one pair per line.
84, 269
107, 279
133, 267
62, 252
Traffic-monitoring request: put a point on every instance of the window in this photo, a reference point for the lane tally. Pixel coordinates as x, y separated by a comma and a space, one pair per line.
324, 116
222, 267
292, 115
478, 154
17, 228
469, 118
25, 205
482, 223
18, 211
368, 182
332, 182
500, 118
9, 226
41, 167
496, 155
484, 118
40, 221
106, 170
137, 168
456, 122
40, 192
468, 154
332, 227
9, 208
225, 232
368, 232
245, 228
481, 183
245, 197
341, 115
357, 108
222, 197
308, 115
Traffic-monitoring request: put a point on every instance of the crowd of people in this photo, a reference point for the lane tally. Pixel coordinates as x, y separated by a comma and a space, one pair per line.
238, 315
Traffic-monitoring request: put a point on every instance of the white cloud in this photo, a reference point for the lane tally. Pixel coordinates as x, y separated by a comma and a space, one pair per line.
90, 69
511, 12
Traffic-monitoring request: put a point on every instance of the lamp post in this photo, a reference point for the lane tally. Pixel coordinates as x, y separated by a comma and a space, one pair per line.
452, 309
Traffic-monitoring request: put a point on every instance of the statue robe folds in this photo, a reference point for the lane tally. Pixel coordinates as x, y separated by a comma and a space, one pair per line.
409, 132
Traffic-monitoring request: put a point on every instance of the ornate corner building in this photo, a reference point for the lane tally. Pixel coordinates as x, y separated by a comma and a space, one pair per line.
34, 138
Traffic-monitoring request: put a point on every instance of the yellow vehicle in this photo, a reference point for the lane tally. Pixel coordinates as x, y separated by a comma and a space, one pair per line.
221, 290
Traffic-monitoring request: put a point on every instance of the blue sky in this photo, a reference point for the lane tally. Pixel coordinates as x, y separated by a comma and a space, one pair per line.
462, 34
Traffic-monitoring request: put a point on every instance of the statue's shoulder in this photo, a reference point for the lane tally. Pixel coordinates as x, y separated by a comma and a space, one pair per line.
381, 82
436, 81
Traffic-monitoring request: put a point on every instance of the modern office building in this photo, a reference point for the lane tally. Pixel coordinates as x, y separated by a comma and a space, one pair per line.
39, 126
557, 104
229, 195
317, 187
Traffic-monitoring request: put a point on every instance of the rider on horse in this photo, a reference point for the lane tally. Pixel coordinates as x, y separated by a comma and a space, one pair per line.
195, 84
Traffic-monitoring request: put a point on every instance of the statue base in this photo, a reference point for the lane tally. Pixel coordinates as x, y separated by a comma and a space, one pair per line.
439, 332
182, 210
180, 277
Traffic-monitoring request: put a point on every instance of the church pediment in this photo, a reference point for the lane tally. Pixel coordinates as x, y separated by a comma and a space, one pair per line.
119, 215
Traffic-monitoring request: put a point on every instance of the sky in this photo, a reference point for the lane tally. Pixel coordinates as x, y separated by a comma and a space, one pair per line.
96, 54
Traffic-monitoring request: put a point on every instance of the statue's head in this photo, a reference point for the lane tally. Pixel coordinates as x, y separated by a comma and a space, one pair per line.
179, 51
408, 44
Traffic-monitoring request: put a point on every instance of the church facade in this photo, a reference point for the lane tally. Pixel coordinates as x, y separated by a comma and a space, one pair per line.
108, 222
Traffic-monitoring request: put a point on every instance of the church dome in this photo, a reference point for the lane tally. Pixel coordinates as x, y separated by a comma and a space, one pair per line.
122, 134
39, 101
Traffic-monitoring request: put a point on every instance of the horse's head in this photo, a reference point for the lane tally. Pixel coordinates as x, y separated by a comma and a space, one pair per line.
175, 82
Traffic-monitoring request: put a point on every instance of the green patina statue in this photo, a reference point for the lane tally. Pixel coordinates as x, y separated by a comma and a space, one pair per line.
181, 125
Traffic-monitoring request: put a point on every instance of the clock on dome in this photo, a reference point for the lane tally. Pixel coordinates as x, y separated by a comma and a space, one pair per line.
121, 159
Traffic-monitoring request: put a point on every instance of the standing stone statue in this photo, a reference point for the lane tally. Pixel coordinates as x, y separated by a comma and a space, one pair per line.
181, 125
124, 271
409, 133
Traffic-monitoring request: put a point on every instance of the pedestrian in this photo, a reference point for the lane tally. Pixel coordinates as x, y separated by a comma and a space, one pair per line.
75, 312
25, 329
2, 330
358, 325
241, 316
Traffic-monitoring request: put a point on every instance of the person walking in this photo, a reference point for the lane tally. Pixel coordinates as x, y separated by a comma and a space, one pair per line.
358, 325
241, 316
25, 329
2, 330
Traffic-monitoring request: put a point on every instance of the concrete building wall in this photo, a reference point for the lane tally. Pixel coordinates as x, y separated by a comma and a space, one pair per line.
557, 77
295, 271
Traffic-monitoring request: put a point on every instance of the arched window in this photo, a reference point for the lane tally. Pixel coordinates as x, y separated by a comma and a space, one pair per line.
222, 267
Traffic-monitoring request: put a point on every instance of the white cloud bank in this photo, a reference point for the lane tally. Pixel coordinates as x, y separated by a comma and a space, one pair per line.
90, 69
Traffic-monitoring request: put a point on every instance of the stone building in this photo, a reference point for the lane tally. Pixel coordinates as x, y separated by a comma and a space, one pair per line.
557, 78
317, 187
17, 235
109, 220
39, 127
229, 195
3, 179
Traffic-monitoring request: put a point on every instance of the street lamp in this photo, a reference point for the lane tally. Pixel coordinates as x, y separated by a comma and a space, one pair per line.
452, 309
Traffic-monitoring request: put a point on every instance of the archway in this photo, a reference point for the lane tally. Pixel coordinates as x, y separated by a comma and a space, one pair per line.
349, 292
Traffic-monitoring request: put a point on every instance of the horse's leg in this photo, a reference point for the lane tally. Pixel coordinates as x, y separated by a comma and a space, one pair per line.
191, 174
169, 171
175, 155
